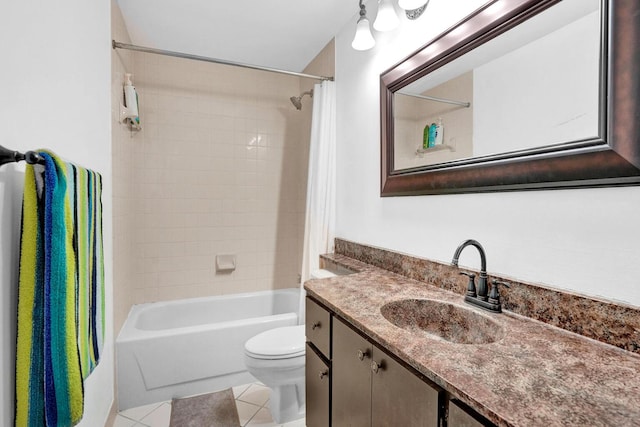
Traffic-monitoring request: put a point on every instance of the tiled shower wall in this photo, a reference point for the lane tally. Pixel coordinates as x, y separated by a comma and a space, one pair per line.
123, 175
221, 168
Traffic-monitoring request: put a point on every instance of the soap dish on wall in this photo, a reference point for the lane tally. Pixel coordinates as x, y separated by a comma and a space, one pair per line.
125, 118
225, 263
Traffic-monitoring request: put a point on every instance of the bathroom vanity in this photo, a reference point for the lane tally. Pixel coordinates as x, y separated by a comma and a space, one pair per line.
373, 359
371, 388
366, 385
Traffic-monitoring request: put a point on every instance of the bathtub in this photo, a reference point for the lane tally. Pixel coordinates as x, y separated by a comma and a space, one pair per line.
185, 347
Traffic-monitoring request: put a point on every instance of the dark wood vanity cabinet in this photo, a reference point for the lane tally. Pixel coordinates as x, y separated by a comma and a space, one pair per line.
317, 365
351, 382
318, 327
317, 391
351, 391
460, 415
371, 389
398, 397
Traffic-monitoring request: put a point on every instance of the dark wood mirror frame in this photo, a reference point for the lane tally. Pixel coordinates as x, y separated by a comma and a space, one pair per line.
612, 160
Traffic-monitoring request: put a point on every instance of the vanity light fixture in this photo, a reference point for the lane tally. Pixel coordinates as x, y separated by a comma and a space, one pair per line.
386, 20
363, 39
415, 12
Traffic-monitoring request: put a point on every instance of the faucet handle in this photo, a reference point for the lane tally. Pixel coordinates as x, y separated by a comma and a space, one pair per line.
494, 295
471, 287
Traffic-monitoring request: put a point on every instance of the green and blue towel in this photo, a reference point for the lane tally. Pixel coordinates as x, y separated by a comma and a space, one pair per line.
61, 292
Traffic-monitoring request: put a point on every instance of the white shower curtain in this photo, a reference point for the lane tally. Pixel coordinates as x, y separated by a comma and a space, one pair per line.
321, 183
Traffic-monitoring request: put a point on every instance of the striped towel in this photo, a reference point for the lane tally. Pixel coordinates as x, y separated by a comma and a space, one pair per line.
88, 226
61, 292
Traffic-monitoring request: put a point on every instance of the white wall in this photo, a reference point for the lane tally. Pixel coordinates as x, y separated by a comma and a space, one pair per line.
582, 240
54, 82
551, 93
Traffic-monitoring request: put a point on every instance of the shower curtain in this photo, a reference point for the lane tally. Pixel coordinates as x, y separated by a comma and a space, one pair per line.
321, 183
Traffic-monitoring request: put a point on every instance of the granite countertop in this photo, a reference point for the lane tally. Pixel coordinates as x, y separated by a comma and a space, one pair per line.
536, 375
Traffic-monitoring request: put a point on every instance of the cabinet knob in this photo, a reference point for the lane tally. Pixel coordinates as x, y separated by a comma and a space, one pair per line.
323, 374
362, 354
375, 366
315, 325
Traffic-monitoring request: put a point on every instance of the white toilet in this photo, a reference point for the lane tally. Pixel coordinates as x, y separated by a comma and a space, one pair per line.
276, 357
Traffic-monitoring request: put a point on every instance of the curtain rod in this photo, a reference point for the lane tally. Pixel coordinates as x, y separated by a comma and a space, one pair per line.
436, 99
118, 45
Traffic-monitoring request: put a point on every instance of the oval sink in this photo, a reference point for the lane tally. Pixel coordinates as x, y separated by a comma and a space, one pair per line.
442, 320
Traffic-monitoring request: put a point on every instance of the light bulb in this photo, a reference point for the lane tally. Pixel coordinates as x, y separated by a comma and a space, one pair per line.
411, 4
363, 39
386, 20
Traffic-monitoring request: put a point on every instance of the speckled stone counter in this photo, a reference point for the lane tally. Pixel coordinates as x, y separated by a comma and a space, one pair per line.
536, 375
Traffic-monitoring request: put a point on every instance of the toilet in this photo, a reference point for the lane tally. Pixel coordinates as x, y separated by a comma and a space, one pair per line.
276, 358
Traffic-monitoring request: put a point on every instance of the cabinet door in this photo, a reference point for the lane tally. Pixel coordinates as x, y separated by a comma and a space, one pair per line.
462, 416
351, 378
316, 389
398, 397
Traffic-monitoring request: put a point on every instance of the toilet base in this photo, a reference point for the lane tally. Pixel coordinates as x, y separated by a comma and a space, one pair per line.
284, 403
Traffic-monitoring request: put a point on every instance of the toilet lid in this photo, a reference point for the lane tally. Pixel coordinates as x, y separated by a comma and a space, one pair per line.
278, 343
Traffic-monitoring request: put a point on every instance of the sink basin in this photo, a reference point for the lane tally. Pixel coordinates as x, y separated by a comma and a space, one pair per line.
435, 319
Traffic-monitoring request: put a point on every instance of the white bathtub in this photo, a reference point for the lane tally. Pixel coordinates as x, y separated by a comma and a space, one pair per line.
185, 347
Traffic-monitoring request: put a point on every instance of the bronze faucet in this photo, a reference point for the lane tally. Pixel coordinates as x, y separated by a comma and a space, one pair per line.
480, 298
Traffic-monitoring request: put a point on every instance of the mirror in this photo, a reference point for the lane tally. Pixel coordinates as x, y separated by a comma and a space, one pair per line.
522, 94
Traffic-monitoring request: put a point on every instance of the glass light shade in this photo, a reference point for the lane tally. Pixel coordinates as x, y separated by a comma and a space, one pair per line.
411, 4
363, 39
386, 20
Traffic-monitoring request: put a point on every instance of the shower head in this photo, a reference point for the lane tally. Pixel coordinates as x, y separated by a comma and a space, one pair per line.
297, 100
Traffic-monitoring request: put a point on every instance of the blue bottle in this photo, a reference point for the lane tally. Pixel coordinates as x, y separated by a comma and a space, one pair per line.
433, 131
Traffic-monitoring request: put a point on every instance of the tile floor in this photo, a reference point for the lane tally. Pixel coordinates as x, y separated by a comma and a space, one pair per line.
251, 400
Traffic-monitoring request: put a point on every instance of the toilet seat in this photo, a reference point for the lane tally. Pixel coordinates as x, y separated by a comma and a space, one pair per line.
277, 358
279, 343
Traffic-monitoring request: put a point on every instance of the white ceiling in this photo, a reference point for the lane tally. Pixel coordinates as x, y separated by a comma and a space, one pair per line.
284, 34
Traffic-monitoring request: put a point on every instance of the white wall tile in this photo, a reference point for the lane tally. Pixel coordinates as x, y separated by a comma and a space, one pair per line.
212, 180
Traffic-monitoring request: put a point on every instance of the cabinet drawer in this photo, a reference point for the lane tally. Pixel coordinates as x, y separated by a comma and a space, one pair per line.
318, 327
316, 389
